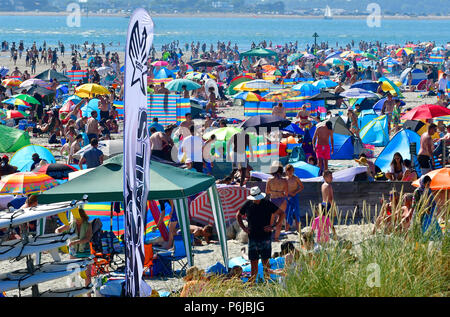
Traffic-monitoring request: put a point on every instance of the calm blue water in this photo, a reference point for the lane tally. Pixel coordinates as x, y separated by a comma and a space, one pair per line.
237, 30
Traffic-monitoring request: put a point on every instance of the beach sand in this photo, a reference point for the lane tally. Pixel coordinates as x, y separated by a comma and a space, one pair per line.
206, 255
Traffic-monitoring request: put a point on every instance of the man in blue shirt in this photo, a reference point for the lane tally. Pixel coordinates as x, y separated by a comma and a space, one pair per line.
92, 157
156, 125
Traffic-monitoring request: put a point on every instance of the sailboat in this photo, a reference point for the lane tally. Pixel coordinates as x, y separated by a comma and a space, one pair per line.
327, 14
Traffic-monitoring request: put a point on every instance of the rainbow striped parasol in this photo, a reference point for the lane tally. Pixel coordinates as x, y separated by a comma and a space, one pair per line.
26, 183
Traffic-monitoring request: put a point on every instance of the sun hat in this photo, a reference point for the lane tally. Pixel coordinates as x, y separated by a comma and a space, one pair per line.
362, 161
275, 166
256, 194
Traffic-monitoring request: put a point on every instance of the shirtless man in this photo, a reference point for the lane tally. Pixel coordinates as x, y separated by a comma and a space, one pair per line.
388, 108
279, 111
425, 156
163, 90
303, 115
327, 190
322, 147
103, 105
92, 127
186, 125
277, 188
157, 141
295, 186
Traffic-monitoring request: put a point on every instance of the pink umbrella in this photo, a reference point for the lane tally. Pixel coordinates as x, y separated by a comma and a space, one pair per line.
160, 63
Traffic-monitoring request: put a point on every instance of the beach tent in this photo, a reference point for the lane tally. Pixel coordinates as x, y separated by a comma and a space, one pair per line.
105, 183
365, 103
417, 76
305, 170
401, 143
375, 132
89, 107
339, 125
12, 139
259, 52
365, 117
52, 74
22, 158
343, 147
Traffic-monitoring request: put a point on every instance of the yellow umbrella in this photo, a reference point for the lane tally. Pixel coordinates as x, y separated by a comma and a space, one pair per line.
87, 90
243, 87
11, 82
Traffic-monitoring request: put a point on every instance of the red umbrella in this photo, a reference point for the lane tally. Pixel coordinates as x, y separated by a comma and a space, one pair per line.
426, 112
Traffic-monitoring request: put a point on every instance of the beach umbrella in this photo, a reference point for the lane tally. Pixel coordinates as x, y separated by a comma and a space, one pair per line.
31, 90
325, 95
3, 71
222, 134
325, 83
261, 121
27, 98
440, 179
11, 82
294, 57
50, 74
366, 84
369, 56
33, 82
415, 125
205, 63
22, 158
87, 90
109, 148
25, 183
16, 102
258, 84
177, 84
282, 94
243, 87
261, 62
232, 199
306, 89
334, 61
426, 112
294, 129
16, 114
160, 63
388, 85
309, 56
56, 170
438, 49
102, 71
403, 51
358, 93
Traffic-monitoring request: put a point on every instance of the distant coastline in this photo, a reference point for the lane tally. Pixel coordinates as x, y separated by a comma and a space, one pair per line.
226, 15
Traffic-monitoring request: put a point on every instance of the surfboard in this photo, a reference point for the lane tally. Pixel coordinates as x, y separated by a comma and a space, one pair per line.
43, 273
18, 248
66, 292
20, 216
156, 214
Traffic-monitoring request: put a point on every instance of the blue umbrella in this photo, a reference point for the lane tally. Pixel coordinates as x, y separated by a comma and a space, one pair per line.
369, 85
293, 128
164, 73
307, 89
325, 83
22, 158
358, 93
91, 106
62, 90
334, 54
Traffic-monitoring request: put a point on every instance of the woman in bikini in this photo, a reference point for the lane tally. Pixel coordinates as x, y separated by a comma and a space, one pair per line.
277, 188
303, 115
397, 168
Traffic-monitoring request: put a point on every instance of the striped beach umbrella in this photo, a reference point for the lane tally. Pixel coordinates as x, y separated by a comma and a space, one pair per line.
27, 98
11, 82
25, 183
17, 102
16, 114
33, 82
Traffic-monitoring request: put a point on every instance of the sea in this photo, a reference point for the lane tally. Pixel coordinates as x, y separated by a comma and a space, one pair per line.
241, 31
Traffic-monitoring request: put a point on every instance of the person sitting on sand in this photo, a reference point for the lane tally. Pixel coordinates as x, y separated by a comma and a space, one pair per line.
195, 282
410, 174
201, 233
407, 212
397, 168
387, 218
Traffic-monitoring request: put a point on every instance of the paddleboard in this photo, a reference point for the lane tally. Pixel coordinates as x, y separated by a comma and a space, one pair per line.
16, 248
20, 216
43, 273
66, 292
156, 214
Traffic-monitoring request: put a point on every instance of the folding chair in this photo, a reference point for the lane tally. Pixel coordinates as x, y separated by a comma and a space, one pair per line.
178, 254
148, 261
102, 261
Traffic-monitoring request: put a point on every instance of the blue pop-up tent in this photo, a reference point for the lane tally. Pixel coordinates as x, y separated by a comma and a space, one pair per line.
365, 117
375, 132
401, 143
343, 147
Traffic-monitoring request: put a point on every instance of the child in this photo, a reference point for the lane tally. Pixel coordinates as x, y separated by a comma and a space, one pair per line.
322, 226
407, 212
327, 190
388, 212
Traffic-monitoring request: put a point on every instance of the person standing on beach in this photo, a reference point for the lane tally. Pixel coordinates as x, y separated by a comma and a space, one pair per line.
239, 142
322, 148
295, 186
425, 155
92, 157
387, 109
260, 214
92, 128
277, 187
327, 190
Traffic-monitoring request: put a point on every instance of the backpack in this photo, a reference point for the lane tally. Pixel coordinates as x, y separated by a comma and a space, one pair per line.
97, 234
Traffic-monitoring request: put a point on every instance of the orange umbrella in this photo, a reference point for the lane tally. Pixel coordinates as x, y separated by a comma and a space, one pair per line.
26, 183
268, 68
11, 82
440, 179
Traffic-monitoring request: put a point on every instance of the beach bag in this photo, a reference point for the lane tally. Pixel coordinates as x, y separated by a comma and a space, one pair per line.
109, 242
52, 139
162, 267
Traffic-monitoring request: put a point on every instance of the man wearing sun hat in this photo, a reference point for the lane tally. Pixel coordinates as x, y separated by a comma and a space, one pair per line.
260, 214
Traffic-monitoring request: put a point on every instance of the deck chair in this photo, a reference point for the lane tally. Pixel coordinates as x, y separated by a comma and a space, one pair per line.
178, 255
148, 261
102, 261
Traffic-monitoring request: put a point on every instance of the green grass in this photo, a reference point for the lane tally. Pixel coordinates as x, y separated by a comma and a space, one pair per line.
408, 265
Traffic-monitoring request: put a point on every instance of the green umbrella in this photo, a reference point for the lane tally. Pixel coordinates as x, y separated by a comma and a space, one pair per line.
222, 134
370, 56
177, 84
27, 98
294, 57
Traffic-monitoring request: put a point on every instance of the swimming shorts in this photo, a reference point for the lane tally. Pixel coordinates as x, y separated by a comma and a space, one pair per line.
323, 152
259, 249
278, 201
